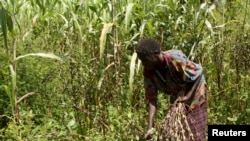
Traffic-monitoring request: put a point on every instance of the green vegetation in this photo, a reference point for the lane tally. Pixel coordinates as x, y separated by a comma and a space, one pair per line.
68, 69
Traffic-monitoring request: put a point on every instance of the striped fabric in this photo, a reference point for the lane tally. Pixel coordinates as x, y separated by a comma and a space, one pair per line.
197, 120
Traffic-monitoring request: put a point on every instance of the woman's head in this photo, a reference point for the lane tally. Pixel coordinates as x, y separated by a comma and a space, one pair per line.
148, 51
148, 47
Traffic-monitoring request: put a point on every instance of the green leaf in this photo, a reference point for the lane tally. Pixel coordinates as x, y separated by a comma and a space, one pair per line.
13, 94
233, 119
128, 14
209, 25
142, 28
76, 24
103, 74
248, 110
71, 123
11, 99
41, 5
132, 72
45, 55
9, 22
93, 8
203, 5
106, 29
4, 26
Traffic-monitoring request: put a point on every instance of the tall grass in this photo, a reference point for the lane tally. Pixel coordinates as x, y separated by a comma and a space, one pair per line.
97, 93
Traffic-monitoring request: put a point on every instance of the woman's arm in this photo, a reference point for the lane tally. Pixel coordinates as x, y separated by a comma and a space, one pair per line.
152, 110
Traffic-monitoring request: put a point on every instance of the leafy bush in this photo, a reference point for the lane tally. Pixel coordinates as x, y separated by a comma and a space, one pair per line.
69, 72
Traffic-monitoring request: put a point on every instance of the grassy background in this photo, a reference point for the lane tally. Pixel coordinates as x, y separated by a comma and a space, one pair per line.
68, 70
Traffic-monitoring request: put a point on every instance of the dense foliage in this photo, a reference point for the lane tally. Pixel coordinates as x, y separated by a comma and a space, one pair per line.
68, 70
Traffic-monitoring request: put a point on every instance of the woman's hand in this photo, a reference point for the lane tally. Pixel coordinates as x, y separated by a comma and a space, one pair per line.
148, 134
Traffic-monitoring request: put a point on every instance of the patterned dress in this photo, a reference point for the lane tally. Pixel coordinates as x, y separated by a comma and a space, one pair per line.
179, 74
